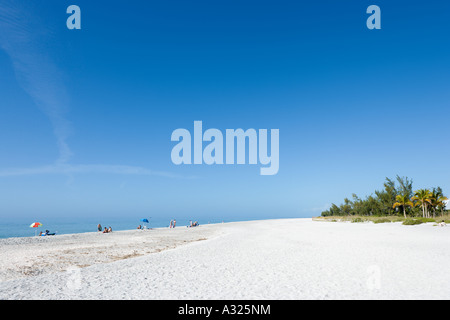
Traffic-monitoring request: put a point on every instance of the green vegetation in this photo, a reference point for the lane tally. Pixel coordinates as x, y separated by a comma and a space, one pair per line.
424, 220
382, 220
396, 200
355, 219
411, 222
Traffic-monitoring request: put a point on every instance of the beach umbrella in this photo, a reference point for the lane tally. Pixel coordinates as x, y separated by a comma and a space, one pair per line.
145, 221
35, 225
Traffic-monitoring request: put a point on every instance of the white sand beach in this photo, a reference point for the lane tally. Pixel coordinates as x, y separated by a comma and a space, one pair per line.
269, 259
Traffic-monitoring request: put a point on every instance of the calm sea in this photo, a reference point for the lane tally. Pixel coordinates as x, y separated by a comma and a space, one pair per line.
22, 229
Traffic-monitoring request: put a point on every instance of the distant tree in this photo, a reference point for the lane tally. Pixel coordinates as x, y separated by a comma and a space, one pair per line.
346, 208
387, 196
404, 202
423, 198
437, 200
397, 193
405, 187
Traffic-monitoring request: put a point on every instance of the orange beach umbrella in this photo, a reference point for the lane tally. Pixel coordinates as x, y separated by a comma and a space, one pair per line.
36, 224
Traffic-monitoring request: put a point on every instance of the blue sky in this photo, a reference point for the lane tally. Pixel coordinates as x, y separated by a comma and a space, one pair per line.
87, 115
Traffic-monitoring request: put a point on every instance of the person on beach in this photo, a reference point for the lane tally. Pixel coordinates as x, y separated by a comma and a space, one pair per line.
110, 229
171, 224
174, 223
99, 227
193, 224
105, 230
139, 227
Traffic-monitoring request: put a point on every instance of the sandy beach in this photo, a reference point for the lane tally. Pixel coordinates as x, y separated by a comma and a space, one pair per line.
269, 259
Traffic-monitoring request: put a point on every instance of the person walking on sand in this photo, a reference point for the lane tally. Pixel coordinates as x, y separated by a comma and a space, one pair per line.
174, 222
171, 224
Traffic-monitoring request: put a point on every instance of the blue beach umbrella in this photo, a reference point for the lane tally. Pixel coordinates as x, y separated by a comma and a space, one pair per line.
145, 221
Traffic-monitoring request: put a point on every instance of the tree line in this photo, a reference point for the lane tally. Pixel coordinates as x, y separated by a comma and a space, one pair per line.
397, 198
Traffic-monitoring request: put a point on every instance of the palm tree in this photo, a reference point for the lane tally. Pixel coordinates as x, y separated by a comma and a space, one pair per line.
437, 200
442, 203
403, 201
423, 198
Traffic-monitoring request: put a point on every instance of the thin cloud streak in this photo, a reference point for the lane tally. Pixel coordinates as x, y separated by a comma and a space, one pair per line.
24, 38
80, 169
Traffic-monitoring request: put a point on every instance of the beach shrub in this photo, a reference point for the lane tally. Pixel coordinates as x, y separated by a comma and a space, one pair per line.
382, 220
356, 220
411, 222
425, 220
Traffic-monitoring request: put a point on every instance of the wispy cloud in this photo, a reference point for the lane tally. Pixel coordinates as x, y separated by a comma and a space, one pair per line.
72, 169
23, 38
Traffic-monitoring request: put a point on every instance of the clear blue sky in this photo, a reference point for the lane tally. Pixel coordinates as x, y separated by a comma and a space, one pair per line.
87, 115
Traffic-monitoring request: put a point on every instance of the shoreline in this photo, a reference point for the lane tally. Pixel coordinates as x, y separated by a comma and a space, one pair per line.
180, 224
259, 259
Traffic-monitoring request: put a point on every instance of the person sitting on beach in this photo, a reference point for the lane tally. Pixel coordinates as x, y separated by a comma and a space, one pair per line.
105, 230
139, 227
193, 224
48, 233
442, 224
110, 229
42, 234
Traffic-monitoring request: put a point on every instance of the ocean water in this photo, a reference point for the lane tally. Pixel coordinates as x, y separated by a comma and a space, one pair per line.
22, 229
